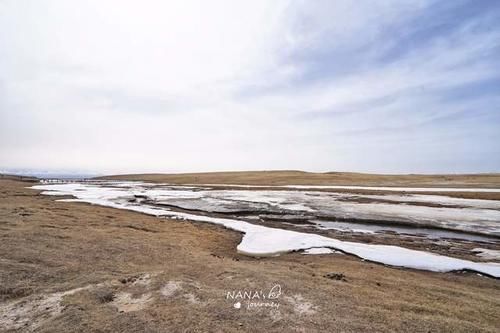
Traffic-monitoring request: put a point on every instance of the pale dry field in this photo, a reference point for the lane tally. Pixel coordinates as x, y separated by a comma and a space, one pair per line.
73, 267
278, 178
310, 178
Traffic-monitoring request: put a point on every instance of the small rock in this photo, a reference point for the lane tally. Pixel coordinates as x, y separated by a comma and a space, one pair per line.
336, 276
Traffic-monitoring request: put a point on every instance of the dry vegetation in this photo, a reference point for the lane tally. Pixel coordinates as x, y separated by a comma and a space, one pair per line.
328, 178
73, 267
267, 178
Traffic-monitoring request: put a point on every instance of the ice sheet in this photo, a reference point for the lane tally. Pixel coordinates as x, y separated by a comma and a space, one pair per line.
478, 216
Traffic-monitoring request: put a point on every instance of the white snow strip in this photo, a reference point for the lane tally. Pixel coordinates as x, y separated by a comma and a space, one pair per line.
264, 241
487, 253
327, 225
346, 187
320, 250
437, 199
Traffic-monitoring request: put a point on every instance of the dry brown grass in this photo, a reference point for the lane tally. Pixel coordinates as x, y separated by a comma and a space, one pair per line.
331, 178
143, 274
309, 178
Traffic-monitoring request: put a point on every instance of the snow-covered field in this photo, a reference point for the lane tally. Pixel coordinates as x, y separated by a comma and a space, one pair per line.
206, 204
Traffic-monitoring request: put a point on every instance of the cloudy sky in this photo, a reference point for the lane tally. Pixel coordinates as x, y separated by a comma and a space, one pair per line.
171, 86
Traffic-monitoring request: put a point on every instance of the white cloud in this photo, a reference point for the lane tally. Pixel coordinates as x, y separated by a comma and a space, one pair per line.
124, 86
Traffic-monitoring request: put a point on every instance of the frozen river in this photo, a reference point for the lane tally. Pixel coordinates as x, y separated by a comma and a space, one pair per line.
243, 209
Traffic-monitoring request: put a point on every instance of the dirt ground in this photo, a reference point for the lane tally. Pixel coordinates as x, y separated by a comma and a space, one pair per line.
74, 267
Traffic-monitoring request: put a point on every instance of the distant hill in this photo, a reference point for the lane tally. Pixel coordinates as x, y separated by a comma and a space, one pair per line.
18, 177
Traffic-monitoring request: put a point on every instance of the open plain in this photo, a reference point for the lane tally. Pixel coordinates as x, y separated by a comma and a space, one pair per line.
70, 266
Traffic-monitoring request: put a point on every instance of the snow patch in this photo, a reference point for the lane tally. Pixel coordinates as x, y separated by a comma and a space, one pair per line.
32, 312
124, 302
300, 305
320, 250
346, 187
169, 289
487, 253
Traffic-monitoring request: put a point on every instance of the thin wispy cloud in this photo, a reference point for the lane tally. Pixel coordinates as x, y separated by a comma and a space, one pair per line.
378, 86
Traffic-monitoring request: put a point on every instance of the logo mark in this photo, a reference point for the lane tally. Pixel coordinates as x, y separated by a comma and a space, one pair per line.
251, 299
275, 292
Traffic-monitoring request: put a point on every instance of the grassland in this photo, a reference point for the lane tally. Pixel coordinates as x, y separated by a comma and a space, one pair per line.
328, 178
73, 267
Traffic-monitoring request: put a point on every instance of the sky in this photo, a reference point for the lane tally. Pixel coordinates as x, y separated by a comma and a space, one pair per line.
105, 87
